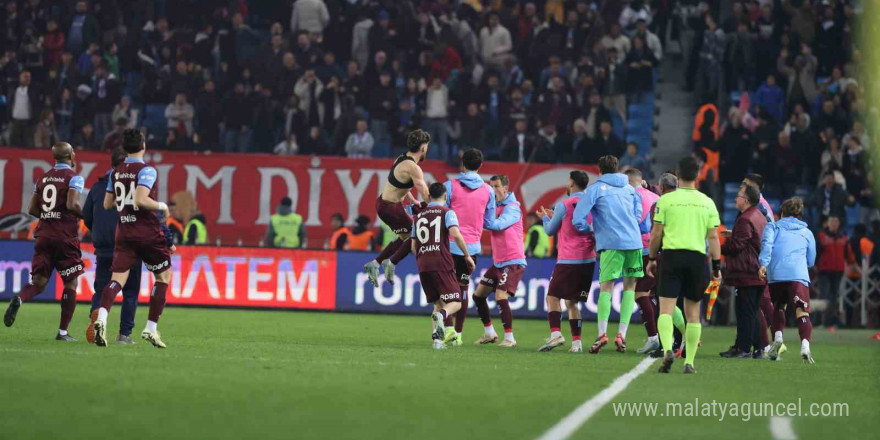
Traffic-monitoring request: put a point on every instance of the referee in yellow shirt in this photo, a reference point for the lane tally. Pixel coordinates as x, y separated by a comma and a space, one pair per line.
684, 220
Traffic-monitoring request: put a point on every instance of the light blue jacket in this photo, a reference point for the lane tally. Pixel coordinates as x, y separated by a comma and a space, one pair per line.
616, 208
510, 216
472, 180
788, 250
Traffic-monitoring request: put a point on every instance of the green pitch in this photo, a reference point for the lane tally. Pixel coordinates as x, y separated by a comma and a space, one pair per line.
230, 374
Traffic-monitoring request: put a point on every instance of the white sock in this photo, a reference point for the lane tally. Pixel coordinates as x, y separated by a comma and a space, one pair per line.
805, 344
778, 336
102, 314
603, 327
62, 332
576, 343
151, 326
508, 336
489, 331
555, 334
623, 328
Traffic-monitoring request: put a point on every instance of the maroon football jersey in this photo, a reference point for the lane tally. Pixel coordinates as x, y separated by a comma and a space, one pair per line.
431, 233
134, 223
56, 221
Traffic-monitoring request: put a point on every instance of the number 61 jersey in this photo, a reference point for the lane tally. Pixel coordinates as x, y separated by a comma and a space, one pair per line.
134, 223
431, 234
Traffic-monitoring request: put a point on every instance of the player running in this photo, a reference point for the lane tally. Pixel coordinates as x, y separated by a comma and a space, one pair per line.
474, 203
435, 226
572, 276
403, 176
646, 283
56, 203
617, 210
132, 191
788, 250
509, 257
683, 221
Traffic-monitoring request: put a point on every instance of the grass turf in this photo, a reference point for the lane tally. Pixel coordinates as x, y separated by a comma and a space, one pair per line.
262, 374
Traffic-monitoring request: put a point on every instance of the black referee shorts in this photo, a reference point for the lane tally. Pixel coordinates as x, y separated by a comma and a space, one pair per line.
683, 273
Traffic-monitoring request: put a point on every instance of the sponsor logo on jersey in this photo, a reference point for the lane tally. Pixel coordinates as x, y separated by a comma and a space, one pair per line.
155, 267
54, 179
125, 176
71, 270
451, 297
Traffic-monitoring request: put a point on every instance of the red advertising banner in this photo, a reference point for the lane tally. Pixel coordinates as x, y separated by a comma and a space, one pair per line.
232, 276
237, 193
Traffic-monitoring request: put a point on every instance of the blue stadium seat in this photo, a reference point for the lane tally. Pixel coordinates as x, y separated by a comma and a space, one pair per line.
154, 118
852, 215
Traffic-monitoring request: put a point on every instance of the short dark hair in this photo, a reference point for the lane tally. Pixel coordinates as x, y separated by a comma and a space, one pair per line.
132, 140
757, 179
633, 173
436, 190
117, 156
580, 178
472, 159
608, 164
688, 168
416, 138
286, 201
752, 194
504, 180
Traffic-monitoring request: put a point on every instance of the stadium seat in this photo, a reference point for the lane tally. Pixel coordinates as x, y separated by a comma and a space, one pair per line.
154, 118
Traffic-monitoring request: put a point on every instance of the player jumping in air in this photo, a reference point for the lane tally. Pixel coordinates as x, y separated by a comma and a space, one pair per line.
572, 276
788, 250
617, 210
131, 190
474, 203
509, 257
434, 227
56, 203
404, 175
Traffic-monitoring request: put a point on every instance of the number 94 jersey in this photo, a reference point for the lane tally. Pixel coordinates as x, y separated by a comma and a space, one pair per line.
134, 223
431, 234
56, 222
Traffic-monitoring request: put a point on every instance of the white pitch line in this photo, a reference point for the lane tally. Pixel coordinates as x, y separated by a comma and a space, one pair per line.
781, 428
568, 425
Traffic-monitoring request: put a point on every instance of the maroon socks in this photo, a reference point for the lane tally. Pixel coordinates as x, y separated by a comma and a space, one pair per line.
482, 310
506, 315
555, 319
805, 327
108, 295
389, 250
68, 305
462, 314
649, 315
402, 251
157, 301
575, 325
29, 292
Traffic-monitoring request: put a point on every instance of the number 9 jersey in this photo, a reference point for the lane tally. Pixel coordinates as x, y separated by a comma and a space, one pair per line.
56, 221
134, 223
431, 234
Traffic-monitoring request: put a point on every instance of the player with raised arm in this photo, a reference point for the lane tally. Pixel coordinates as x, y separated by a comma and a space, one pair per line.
403, 176
617, 210
788, 250
473, 201
509, 257
56, 203
572, 276
684, 220
434, 227
132, 191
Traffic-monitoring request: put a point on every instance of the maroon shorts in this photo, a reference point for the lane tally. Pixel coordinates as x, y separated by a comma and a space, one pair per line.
571, 282
790, 292
154, 252
394, 215
646, 283
462, 274
61, 255
440, 286
504, 278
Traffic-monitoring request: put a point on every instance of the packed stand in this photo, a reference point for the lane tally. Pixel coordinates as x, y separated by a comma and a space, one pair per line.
544, 81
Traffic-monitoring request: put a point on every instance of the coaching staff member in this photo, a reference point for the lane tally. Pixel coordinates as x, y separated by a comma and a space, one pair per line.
742, 249
683, 220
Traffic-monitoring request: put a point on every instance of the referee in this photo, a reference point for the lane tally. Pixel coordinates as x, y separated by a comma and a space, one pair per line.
683, 220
